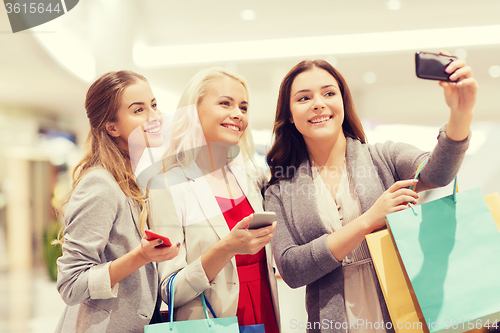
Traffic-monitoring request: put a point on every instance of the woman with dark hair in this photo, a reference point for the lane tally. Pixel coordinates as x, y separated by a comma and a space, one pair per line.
105, 215
329, 189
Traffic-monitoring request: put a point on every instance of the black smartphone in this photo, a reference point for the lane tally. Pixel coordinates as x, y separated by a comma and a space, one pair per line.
431, 66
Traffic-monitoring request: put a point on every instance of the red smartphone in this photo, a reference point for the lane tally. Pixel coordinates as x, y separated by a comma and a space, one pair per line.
152, 235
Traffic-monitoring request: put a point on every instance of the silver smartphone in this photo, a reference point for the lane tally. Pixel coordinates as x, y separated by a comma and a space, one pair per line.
262, 219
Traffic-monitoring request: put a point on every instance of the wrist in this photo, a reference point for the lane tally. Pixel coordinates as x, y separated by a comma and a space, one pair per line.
224, 249
458, 126
140, 256
365, 223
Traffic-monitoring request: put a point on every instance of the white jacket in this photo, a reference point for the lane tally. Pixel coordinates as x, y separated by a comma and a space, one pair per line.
186, 211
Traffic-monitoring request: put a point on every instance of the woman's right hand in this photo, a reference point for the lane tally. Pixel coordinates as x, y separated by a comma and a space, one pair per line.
393, 200
246, 241
150, 250
141, 255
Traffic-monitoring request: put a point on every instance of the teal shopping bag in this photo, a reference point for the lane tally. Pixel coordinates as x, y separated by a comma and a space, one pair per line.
209, 325
450, 249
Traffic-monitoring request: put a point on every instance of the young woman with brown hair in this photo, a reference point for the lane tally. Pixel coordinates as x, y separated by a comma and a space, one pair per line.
106, 273
329, 189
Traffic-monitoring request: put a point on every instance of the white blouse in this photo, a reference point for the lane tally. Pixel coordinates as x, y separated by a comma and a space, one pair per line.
360, 292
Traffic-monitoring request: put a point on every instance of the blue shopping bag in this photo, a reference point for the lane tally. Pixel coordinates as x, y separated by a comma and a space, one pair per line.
259, 328
450, 249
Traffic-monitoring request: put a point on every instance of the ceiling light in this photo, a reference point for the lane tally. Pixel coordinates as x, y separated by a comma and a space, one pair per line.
66, 49
494, 71
248, 15
147, 56
370, 77
393, 4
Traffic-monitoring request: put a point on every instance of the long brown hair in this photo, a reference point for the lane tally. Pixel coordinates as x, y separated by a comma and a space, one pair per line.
289, 149
101, 151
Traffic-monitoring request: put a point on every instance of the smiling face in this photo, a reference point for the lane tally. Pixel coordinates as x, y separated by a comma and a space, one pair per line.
223, 111
137, 122
316, 106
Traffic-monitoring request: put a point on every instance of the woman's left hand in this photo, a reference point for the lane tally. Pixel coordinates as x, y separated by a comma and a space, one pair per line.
460, 96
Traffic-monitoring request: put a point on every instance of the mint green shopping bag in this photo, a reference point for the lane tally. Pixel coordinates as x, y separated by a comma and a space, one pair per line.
450, 249
209, 325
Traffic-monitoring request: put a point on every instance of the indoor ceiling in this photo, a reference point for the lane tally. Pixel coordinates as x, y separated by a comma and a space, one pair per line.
371, 45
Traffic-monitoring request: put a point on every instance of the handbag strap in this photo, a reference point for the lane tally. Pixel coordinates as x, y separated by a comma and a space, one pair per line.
170, 297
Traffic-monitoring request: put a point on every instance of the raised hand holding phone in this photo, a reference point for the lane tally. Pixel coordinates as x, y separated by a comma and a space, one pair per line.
460, 89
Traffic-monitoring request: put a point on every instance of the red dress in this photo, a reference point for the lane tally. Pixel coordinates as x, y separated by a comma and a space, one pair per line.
255, 305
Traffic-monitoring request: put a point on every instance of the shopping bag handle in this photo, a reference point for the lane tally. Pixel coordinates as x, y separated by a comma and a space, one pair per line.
170, 297
206, 303
417, 173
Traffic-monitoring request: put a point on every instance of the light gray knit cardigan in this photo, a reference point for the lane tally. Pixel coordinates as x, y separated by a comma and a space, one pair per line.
300, 241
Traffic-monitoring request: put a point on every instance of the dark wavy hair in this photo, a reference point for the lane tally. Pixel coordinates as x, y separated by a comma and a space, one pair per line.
289, 149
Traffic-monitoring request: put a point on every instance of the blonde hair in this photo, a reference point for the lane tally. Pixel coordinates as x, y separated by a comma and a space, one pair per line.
100, 150
187, 135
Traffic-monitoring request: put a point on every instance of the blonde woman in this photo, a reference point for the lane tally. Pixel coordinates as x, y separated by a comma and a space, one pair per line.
205, 200
106, 273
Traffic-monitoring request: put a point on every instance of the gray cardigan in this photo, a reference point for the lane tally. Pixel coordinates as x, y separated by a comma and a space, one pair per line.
101, 226
300, 241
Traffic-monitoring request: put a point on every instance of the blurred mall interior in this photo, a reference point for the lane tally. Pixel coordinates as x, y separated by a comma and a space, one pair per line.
45, 72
